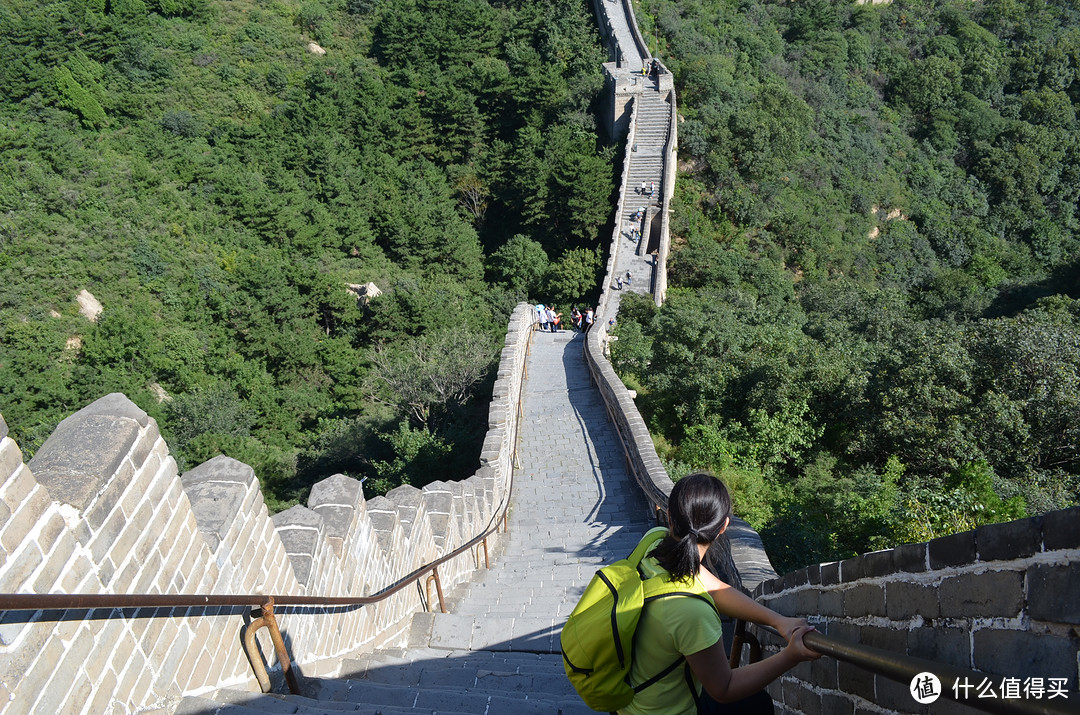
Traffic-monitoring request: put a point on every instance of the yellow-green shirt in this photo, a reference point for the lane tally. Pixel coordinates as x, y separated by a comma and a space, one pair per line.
669, 627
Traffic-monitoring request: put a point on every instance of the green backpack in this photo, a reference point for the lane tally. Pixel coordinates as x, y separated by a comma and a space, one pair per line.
597, 640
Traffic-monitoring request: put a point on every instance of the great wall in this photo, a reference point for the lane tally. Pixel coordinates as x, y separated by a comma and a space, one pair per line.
102, 509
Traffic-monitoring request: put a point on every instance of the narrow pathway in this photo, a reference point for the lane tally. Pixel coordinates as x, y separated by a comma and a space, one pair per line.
574, 508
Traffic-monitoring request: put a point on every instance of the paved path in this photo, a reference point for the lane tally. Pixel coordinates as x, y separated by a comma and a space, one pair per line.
573, 509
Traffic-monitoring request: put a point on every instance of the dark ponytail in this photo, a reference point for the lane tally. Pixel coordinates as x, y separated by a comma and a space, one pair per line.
698, 508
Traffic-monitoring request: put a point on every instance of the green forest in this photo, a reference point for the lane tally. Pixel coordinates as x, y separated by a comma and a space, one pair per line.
873, 326
872, 330
217, 182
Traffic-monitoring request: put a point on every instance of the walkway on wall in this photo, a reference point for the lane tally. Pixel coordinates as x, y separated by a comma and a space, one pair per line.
574, 508
645, 168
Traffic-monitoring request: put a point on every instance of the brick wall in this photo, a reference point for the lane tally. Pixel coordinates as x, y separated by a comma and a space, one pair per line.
101, 509
1003, 599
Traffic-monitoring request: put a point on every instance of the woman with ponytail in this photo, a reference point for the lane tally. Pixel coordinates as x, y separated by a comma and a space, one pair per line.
699, 510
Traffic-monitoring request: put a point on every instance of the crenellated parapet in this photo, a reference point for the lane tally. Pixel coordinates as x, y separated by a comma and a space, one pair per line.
102, 509
1003, 599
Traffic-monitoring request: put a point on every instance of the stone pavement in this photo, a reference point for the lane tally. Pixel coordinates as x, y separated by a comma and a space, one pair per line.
573, 509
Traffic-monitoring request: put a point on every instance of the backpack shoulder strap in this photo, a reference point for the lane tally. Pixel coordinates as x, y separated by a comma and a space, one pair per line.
651, 537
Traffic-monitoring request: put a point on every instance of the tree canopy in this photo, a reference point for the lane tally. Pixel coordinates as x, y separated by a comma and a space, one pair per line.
218, 183
873, 316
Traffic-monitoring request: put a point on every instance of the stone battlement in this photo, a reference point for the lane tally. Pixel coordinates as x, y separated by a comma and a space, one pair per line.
101, 509
1001, 599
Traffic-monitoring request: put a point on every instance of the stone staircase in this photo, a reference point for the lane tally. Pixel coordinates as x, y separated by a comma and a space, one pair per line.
417, 680
646, 164
574, 508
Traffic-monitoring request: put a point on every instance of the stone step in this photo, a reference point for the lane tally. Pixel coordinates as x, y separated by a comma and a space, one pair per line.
239, 702
430, 667
493, 700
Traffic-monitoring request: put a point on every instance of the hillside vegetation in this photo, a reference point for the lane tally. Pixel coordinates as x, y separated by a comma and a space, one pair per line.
217, 182
872, 328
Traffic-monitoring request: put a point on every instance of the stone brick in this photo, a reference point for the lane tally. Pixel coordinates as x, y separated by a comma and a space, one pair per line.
986, 595
168, 674
1061, 529
54, 565
813, 574
25, 518
855, 680
831, 603
823, 672
864, 600
145, 446
831, 574
19, 569
1054, 593
836, 704
806, 602
11, 460
75, 575
103, 700
851, 569
801, 698
877, 563
101, 546
906, 600
1023, 654
910, 558
1011, 540
31, 687
77, 653
125, 578
890, 639
896, 696
953, 550
105, 570
17, 486
108, 633
65, 687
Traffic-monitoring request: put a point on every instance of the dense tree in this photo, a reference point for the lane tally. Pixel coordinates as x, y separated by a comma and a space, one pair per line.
862, 333
224, 194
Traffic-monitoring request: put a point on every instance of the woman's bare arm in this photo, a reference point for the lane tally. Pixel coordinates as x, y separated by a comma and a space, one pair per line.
726, 685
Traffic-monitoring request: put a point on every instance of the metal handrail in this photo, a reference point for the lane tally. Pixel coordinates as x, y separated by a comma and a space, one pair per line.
266, 603
904, 668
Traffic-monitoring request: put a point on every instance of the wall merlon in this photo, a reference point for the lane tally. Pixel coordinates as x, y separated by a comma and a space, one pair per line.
217, 490
1011, 540
1061, 529
87, 450
954, 550
126, 521
301, 532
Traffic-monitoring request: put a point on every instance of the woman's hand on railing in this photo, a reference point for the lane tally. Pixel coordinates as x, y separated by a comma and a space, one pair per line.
785, 626
798, 650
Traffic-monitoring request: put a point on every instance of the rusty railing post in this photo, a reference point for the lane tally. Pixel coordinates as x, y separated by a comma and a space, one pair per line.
438, 589
279, 647
269, 621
